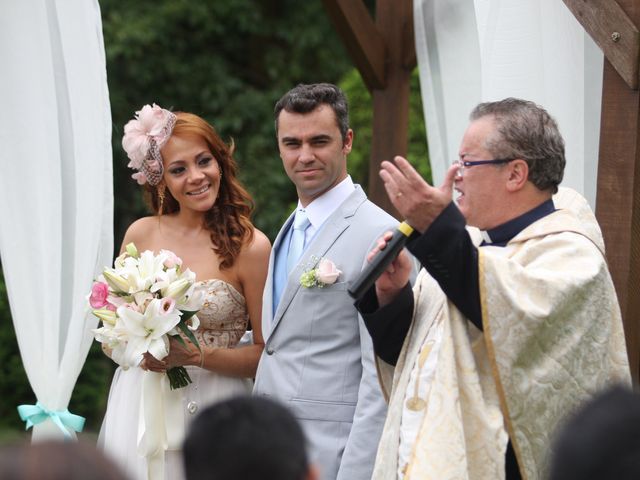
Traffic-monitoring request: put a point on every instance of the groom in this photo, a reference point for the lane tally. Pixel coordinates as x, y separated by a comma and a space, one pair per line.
318, 356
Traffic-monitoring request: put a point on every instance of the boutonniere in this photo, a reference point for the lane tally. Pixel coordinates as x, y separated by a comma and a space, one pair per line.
322, 274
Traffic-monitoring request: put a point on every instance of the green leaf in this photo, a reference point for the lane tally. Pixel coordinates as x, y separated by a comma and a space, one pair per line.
179, 339
186, 315
189, 334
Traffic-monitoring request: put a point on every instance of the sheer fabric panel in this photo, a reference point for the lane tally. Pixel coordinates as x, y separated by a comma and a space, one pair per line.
56, 193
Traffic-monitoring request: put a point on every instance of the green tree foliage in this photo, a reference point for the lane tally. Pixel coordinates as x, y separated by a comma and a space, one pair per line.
226, 61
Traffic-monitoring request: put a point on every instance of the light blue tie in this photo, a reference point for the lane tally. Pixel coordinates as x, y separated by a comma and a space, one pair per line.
296, 246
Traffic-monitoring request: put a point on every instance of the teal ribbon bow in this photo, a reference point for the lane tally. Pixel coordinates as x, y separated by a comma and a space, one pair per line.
35, 414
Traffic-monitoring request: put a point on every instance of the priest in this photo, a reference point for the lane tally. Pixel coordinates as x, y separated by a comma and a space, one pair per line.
513, 320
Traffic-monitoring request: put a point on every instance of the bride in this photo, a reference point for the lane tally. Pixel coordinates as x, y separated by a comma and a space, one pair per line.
202, 215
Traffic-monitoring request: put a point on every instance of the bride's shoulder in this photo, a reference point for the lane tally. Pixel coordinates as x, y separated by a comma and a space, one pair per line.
143, 225
141, 231
259, 244
255, 253
260, 240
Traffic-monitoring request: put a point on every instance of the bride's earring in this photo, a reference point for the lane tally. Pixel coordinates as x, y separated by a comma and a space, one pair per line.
161, 191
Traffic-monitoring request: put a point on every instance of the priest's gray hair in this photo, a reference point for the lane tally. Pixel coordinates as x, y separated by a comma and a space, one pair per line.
526, 131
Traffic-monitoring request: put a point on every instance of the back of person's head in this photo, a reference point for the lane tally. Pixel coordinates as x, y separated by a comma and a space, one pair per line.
306, 98
56, 460
601, 441
526, 131
248, 438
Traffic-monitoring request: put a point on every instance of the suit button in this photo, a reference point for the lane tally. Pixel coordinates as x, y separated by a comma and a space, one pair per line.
270, 351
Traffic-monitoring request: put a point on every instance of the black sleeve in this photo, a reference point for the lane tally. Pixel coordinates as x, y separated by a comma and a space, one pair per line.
388, 326
446, 251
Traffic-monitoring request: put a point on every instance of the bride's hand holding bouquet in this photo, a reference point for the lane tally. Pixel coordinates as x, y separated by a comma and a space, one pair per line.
180, 353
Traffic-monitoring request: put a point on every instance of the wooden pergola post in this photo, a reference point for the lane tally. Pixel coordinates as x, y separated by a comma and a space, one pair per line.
613, 26
384, 53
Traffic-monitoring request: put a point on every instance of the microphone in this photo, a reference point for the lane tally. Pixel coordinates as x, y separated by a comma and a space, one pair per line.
380, 262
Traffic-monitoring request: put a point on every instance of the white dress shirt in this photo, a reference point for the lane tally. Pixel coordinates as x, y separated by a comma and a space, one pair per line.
322, 207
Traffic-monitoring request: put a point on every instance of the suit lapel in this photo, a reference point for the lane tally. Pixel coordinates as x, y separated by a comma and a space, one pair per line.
334, 226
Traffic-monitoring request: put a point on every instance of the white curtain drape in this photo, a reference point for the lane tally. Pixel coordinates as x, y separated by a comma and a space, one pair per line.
55, 186
471, 51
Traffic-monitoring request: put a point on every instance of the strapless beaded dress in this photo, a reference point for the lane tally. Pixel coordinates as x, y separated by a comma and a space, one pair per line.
223, 322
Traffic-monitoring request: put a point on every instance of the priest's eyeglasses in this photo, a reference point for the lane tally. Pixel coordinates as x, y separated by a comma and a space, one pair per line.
464, 164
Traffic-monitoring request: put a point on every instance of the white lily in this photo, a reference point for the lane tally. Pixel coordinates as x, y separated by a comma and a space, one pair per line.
107, 316
191, 302
118, 351
177, 289
147, 268
164, 279
193, 323
116, 281
189, 275
115, 338
106, 335
119, 261
142, 299
147, 331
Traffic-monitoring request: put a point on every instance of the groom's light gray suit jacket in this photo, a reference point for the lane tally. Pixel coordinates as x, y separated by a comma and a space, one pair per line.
318, 356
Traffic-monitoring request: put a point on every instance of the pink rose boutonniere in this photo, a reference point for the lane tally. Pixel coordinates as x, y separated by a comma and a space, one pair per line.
323, 274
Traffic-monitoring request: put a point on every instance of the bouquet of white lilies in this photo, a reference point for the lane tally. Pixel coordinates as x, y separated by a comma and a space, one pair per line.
142, 301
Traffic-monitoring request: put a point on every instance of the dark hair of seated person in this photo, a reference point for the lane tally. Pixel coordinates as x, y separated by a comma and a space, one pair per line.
602, 440
246, 438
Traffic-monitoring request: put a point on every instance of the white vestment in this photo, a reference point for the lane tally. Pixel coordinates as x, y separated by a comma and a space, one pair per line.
552, 337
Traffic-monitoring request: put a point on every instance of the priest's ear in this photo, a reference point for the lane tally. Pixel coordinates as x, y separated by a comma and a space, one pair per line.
518, 174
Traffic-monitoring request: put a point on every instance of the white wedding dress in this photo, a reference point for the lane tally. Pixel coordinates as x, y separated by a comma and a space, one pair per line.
223, 322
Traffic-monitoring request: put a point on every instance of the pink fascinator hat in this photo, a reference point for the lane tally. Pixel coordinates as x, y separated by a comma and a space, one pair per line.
143, 138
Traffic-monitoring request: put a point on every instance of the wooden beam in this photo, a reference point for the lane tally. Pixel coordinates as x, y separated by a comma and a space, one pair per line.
361, 37
618, 196
614, 32
394, 19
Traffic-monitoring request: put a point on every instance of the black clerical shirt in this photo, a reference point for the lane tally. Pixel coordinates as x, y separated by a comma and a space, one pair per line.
446, 251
